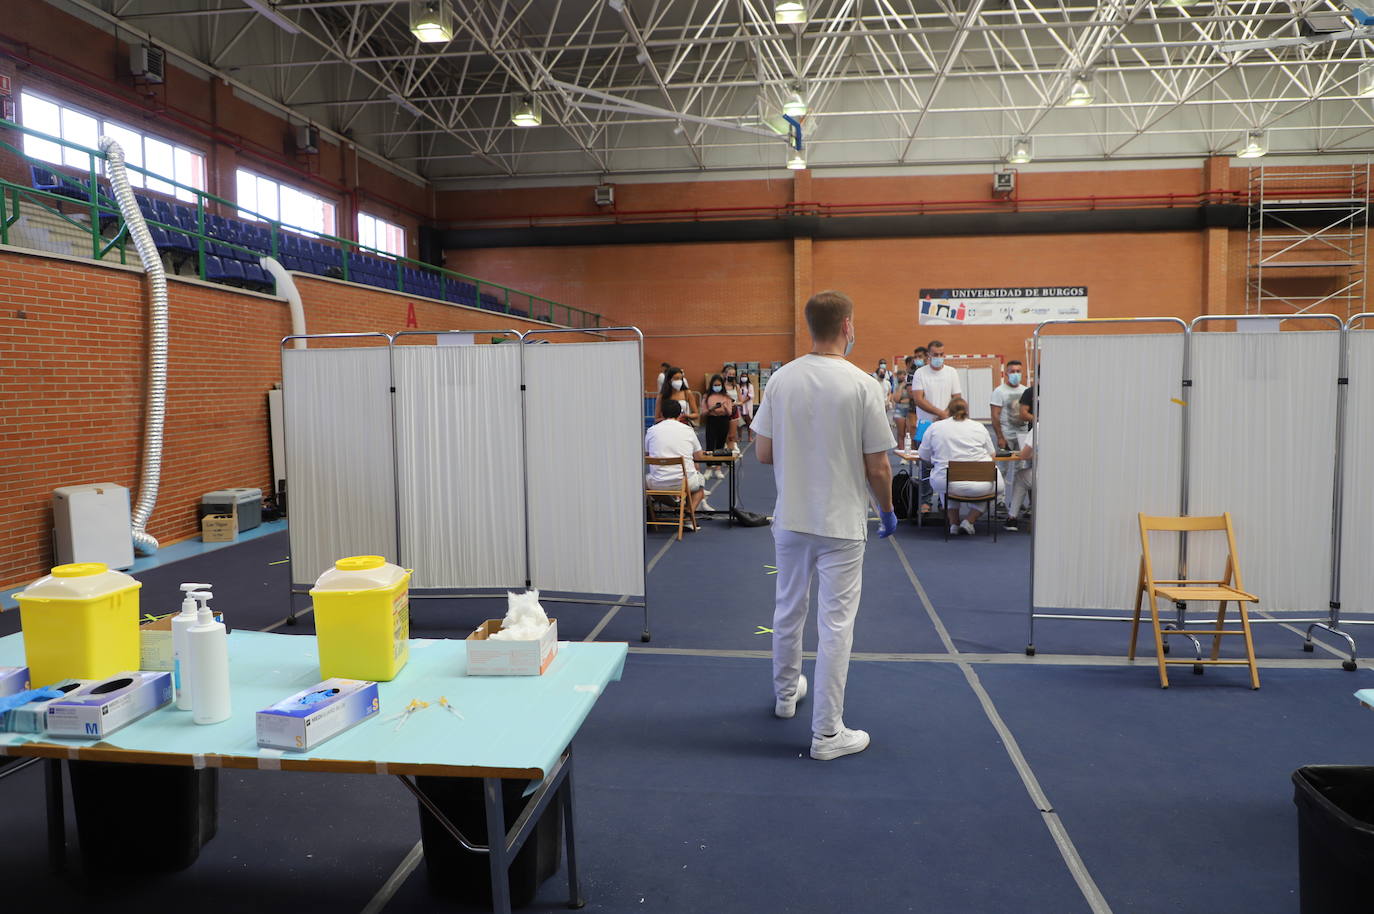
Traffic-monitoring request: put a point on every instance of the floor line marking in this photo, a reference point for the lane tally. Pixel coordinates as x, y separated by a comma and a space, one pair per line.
1077, 868
396, 879
1016, 658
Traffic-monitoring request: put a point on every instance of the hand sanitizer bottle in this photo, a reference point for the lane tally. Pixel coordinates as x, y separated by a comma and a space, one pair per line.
181, 652
209, 666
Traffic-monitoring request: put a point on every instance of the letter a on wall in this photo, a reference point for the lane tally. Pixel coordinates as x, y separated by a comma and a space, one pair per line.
410, 316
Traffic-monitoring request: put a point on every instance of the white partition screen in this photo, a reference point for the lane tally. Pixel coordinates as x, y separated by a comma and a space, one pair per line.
1357, 533
1262, 446
341, 499
461, 482
1108, 445
585, 477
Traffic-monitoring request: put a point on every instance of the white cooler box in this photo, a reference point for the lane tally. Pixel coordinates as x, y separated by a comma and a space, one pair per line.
91, 524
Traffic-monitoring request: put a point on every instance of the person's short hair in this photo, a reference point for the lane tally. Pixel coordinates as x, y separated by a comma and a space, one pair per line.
1013, 362
933, 344
663, 365
825, 314
671, 408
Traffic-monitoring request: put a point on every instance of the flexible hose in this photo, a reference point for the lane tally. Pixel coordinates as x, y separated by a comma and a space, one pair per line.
286, 288
155, 409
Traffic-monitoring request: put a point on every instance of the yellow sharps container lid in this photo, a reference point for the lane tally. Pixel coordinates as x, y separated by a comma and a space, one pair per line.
356, 563
80, 570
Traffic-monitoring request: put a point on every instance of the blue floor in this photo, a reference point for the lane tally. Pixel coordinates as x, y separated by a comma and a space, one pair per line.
692, 797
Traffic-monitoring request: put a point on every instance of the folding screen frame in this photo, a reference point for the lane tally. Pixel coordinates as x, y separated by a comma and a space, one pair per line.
1330, 623
521, 339
1182, 326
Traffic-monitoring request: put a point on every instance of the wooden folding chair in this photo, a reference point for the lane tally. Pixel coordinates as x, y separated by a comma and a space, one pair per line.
685, 509
973, 471
1223, 591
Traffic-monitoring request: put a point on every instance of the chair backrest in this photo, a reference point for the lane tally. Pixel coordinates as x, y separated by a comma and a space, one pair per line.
679, 462
1190, 524
971, 471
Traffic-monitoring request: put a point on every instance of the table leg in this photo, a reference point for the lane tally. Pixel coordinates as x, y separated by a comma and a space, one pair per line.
496, 846
575, 899
734, 489
57, 816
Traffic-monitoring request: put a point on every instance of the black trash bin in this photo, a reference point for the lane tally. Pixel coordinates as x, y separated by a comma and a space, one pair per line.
1335, 837
463, 876
140, 819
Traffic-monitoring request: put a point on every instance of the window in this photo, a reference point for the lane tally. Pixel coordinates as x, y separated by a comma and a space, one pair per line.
262, 198
382, 235
166, 160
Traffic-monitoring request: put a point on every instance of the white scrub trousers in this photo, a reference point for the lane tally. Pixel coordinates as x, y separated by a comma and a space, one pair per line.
839, 565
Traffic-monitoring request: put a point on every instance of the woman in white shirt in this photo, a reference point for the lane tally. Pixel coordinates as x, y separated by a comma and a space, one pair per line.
957, 438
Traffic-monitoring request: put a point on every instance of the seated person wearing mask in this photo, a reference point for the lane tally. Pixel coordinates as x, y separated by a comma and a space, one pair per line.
672, 437
957, 438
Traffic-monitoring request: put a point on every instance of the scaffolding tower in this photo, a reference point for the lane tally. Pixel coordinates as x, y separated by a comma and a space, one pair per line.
1306, 239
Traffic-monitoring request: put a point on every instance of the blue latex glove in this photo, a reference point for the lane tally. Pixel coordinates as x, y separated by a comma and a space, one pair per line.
887, 524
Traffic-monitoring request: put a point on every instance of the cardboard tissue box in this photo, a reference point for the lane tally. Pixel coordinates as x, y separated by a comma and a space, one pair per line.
510, 658
155, 649
100, 708
13, 679
313, 715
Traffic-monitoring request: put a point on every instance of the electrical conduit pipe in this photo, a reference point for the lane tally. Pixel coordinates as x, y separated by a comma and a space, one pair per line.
155, 409
286, 288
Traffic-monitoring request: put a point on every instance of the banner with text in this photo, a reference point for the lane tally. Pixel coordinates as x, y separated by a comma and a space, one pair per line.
1003, 306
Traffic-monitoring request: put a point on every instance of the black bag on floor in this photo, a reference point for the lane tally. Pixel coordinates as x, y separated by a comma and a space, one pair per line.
906, 494
744, 518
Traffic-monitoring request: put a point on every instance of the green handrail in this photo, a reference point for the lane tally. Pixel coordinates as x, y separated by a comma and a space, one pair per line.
576, 317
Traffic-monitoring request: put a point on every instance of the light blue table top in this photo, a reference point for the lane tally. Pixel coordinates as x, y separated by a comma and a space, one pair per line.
512, 723
1365, 697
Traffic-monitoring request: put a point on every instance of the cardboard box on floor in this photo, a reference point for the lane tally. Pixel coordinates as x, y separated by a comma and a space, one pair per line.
220, 528
510, 658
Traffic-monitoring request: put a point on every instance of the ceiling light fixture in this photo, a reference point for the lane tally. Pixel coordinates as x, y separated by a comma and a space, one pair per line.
405, 103
1256, 144
525, 111
789, 12
1365, 88
795, 106
1080, 93
269, 13
1020, 152
431, 21
796, 161
1178, 3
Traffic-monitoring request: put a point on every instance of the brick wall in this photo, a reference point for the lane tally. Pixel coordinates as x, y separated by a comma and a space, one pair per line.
72, 363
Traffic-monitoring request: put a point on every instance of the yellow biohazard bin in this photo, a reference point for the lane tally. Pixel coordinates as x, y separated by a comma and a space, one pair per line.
362, 619
80, 622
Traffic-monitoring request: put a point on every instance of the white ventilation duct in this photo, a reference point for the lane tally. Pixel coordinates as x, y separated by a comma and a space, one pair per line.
286, 288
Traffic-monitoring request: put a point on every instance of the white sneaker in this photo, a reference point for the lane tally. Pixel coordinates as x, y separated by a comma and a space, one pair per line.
967, 527
953, 529
734, 448
846, 742
705, 506
787, 708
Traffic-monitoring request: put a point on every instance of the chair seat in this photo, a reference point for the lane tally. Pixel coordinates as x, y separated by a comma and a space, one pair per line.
988, 497
1222, 593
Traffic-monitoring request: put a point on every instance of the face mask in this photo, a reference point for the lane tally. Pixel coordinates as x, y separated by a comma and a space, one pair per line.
730, 380
1014, 378
849, 346
920, 363
937, 361
716, 388
882, 366
677, 384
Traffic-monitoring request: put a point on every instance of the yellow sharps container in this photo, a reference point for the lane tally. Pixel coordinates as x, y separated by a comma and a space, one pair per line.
362, 618
80, 622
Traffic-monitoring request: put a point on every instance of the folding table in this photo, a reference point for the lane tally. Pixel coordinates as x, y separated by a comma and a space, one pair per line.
511, 727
